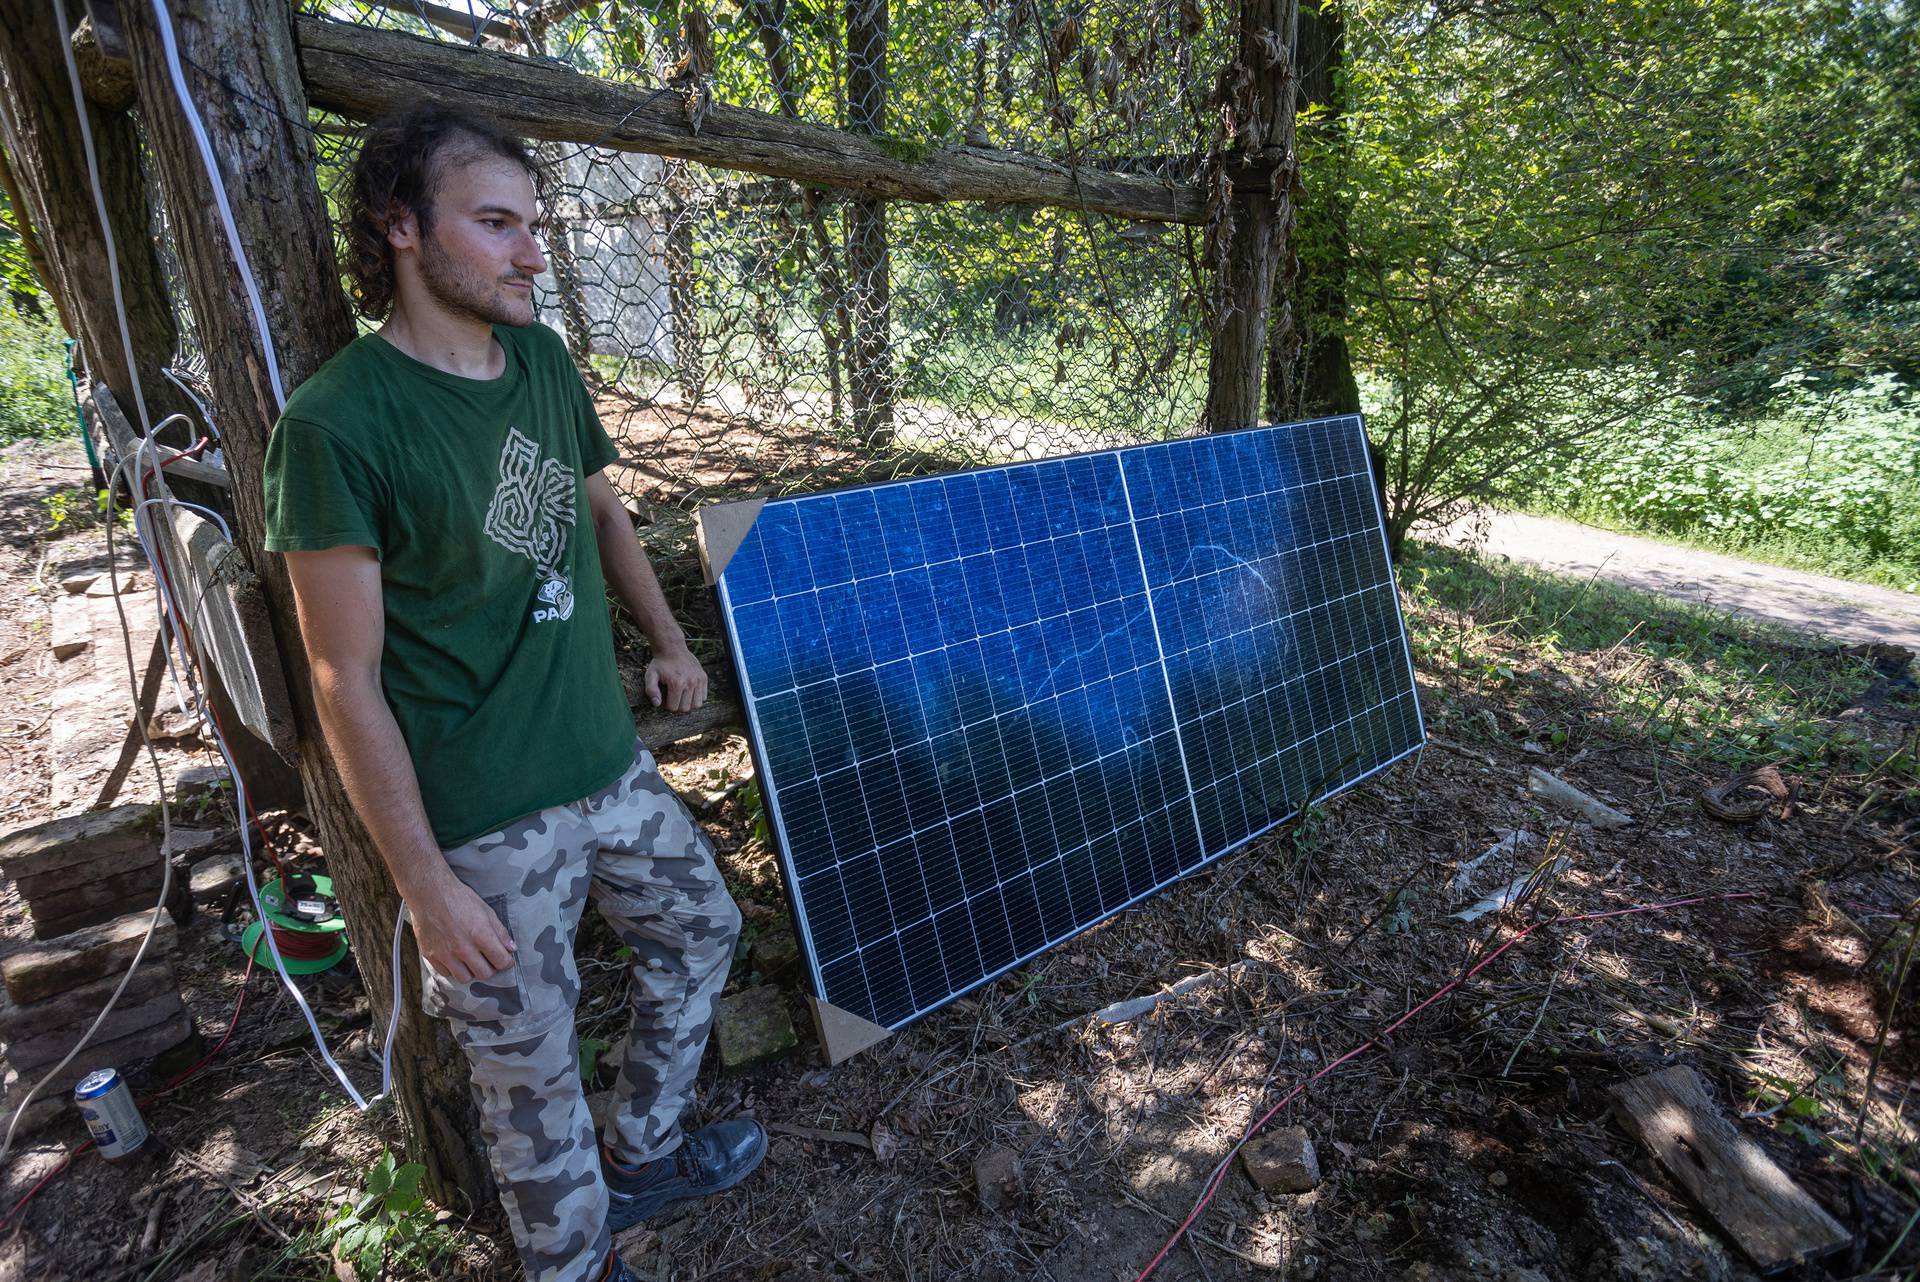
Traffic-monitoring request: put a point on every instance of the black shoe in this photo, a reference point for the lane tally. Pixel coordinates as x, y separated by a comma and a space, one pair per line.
710, 1160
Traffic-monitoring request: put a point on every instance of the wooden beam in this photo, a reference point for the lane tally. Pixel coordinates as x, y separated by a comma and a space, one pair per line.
363, 72
1773, 1219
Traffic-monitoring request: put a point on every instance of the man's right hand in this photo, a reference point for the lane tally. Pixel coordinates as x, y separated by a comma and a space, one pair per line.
458, 934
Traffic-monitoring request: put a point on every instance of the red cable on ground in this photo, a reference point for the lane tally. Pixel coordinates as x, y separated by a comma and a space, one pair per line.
14, 1211
1220, 1172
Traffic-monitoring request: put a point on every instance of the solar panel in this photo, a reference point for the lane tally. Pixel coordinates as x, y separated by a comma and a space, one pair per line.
993, 708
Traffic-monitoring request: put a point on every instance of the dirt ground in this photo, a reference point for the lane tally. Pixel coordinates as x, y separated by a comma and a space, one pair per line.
1474, 1142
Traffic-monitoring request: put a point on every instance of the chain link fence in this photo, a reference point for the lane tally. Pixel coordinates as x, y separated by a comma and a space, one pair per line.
746, 335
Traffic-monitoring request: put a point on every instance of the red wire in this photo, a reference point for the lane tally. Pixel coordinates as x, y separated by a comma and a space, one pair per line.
14, 1211
1213, 1184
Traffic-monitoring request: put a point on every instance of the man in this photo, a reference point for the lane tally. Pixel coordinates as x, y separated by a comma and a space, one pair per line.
427, 486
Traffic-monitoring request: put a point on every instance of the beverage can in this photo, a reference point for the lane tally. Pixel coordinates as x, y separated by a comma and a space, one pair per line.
104, 1100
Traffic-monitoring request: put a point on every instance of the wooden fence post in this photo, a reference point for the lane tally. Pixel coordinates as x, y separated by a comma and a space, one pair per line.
241, 70
1259, 88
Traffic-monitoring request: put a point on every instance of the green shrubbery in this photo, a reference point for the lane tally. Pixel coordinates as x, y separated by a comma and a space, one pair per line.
1832, 483
34, 397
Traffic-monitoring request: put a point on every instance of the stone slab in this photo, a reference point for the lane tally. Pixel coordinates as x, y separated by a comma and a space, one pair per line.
41, 970
117, 1053
80, 839
91, 903
72, 630
214, 879
775, 952
753, 1026
125, 1020
75, 1008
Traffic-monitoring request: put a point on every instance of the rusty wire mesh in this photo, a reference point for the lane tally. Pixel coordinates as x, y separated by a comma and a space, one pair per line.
717, 315
714, 312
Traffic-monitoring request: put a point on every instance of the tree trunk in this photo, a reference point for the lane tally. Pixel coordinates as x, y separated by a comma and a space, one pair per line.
568, 284
43, 139
869, 256
1263, 106
1309, 366
250, 99
30, 239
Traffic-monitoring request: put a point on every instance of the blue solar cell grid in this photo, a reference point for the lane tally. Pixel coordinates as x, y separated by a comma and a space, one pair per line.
992, 708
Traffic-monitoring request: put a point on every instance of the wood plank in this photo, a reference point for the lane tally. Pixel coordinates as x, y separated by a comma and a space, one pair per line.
363, 72
1775, 1221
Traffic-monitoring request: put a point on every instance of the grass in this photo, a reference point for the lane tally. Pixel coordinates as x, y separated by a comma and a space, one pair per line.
1629, 667
35, 398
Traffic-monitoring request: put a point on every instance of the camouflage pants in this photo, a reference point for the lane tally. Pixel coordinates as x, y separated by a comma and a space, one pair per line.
636, 852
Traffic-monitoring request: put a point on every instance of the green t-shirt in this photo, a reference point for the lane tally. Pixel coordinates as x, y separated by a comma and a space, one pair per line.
498, 661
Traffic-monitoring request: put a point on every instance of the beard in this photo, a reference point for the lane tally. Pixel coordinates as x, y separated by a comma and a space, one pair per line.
466, 293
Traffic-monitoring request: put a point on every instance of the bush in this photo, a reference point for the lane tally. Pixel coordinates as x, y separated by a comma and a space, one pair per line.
35, 398
1833, 483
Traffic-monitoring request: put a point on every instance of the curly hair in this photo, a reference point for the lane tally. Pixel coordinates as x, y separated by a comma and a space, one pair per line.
398, 171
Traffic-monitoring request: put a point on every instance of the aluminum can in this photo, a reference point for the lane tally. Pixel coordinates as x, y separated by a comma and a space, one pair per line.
104, 1100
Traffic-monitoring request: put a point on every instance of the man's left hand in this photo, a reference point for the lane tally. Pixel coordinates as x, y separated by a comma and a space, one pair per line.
675, 681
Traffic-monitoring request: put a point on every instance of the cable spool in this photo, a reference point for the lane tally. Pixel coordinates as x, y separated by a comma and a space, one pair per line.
305, 920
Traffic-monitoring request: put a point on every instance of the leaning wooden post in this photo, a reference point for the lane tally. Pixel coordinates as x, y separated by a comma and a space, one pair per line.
1260, 89
240, 69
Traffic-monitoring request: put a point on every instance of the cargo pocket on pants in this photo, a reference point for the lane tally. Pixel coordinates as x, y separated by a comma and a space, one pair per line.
489, 1009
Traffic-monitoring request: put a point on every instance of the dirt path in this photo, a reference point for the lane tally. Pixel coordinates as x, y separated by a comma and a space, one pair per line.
1837, 608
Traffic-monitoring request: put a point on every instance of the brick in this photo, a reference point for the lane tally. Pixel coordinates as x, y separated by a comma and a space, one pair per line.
75, 1008
78, 839
753, 1026
1282, 1161
42, 970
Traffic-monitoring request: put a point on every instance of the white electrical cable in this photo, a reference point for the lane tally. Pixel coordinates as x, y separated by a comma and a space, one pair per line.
178, 76
206, 415
100, 208
147, 466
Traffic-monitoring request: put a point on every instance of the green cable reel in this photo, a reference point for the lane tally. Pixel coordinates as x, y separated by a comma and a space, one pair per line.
310, 910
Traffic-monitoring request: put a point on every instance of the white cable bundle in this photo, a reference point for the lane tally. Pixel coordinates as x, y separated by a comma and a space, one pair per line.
149, 462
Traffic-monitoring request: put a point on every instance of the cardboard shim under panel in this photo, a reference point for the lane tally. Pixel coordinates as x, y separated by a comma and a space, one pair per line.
843, 1035
719, 530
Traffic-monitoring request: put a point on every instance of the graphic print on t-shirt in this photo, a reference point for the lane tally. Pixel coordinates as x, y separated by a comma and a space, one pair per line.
532, 513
